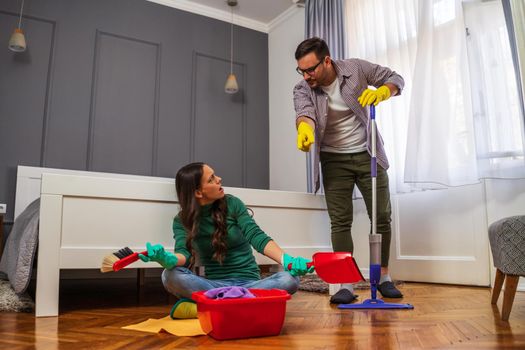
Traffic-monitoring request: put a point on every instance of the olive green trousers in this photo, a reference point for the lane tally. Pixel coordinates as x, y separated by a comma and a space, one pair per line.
341, 172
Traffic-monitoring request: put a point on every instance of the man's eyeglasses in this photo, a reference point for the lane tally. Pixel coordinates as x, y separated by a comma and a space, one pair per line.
310, 70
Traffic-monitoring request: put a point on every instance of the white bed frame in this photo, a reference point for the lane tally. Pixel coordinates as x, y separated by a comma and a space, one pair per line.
85, 216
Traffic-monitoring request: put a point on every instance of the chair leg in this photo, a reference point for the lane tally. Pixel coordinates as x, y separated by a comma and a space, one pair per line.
498, 283
511, 284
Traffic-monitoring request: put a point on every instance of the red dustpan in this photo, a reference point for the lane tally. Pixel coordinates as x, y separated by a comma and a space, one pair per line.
337, 267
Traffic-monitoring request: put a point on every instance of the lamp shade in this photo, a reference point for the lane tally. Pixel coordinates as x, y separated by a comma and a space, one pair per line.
231, 85
17, 42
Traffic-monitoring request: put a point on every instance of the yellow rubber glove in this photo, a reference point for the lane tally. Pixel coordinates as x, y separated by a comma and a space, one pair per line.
305, 136
374, 96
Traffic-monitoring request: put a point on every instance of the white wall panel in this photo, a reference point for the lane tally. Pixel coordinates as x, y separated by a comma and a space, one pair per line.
287, 163
441, 236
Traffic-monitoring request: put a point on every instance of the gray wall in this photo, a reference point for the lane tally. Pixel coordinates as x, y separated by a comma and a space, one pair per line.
129, 86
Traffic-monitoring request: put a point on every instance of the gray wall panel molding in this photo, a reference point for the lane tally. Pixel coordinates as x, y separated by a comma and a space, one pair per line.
93, 102
45, 112
239, 97
47, 105
244, 126
25, 79
130, 77
26, 17
193, 103
155, 155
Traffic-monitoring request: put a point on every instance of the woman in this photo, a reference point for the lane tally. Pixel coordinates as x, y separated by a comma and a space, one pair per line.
217, 229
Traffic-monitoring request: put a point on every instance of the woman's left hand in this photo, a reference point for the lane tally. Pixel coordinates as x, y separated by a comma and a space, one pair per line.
297, 266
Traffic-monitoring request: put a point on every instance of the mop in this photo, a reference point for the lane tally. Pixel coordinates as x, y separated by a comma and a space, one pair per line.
374, 240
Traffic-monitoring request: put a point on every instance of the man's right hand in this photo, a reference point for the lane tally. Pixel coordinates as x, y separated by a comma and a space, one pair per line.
305, 136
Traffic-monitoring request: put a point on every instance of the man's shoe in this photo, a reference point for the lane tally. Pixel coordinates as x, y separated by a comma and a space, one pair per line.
343, 296
389, 290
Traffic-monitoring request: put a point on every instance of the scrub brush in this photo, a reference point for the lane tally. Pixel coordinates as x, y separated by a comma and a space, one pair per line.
120, 259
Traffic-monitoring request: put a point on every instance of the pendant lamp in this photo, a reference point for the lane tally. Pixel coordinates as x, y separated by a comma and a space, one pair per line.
17, 43
231, 85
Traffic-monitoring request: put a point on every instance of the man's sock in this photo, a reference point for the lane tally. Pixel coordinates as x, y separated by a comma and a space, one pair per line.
385, 278
184, 308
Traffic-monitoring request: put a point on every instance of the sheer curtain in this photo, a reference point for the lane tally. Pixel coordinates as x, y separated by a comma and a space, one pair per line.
384, 32
497, 110
434, 133
440, 144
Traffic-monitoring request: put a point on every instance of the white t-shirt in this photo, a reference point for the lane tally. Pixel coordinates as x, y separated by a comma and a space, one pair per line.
343, 133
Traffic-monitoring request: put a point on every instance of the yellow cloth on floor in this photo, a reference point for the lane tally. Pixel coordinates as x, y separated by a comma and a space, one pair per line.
180, 328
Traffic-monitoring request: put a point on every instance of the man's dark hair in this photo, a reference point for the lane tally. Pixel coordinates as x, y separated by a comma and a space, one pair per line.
314, 44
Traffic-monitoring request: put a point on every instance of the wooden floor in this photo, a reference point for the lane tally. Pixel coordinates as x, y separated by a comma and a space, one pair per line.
92, 313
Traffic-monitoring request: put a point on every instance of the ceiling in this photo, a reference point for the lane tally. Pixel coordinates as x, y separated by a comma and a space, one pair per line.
259, 10
260, 15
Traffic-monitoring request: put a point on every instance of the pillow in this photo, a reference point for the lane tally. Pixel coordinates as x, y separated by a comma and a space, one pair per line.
20, 248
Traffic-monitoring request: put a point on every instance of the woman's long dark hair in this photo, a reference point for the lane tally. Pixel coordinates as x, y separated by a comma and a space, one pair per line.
187, 181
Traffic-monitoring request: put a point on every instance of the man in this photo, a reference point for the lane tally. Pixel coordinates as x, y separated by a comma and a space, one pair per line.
331, 111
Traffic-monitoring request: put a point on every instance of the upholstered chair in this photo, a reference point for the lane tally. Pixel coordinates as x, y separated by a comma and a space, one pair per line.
507, 242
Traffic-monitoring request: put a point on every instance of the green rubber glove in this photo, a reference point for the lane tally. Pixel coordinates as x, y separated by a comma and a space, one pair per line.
305, 136
157, 253
370, 96
298, 265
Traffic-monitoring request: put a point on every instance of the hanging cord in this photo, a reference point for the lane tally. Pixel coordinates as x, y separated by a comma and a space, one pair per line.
231, 41
22, 9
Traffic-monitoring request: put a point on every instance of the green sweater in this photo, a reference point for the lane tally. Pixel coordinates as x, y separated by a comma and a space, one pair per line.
243, 234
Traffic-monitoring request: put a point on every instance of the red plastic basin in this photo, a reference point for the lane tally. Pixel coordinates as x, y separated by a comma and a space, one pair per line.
242, 317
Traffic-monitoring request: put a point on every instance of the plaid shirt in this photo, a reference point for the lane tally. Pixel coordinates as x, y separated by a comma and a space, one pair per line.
354, 75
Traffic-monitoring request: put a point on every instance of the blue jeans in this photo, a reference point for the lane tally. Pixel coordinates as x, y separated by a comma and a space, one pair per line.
181, 282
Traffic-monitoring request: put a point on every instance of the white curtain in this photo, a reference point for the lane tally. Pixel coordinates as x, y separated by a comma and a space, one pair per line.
440, 145
457, 120
498, 121
384, 32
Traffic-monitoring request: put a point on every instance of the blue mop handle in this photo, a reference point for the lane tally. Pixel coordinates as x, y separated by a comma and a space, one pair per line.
374, 239
373, 166
375, 276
